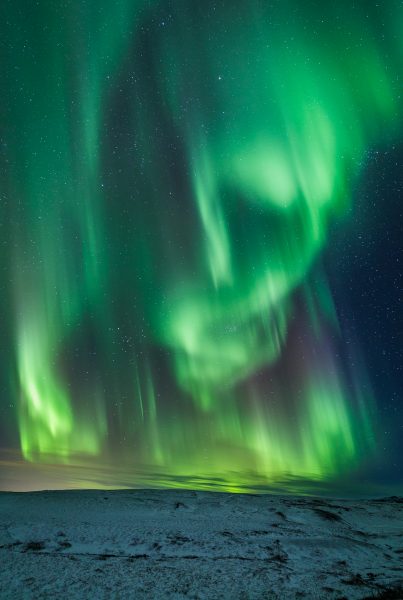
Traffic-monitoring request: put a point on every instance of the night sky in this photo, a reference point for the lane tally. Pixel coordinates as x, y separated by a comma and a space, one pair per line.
201, 245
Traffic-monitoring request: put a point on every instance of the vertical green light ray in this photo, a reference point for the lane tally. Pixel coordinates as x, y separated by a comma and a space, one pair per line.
217, 243
62, 77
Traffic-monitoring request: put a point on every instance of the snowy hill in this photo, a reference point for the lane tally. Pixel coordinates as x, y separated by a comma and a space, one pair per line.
183, 544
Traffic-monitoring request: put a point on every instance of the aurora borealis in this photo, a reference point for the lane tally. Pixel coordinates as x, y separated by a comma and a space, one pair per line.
179, 182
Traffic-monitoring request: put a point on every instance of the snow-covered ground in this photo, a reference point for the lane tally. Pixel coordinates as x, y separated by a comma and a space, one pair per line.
183, 544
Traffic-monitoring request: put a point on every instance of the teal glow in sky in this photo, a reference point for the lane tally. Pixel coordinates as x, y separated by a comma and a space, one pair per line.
174, 176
